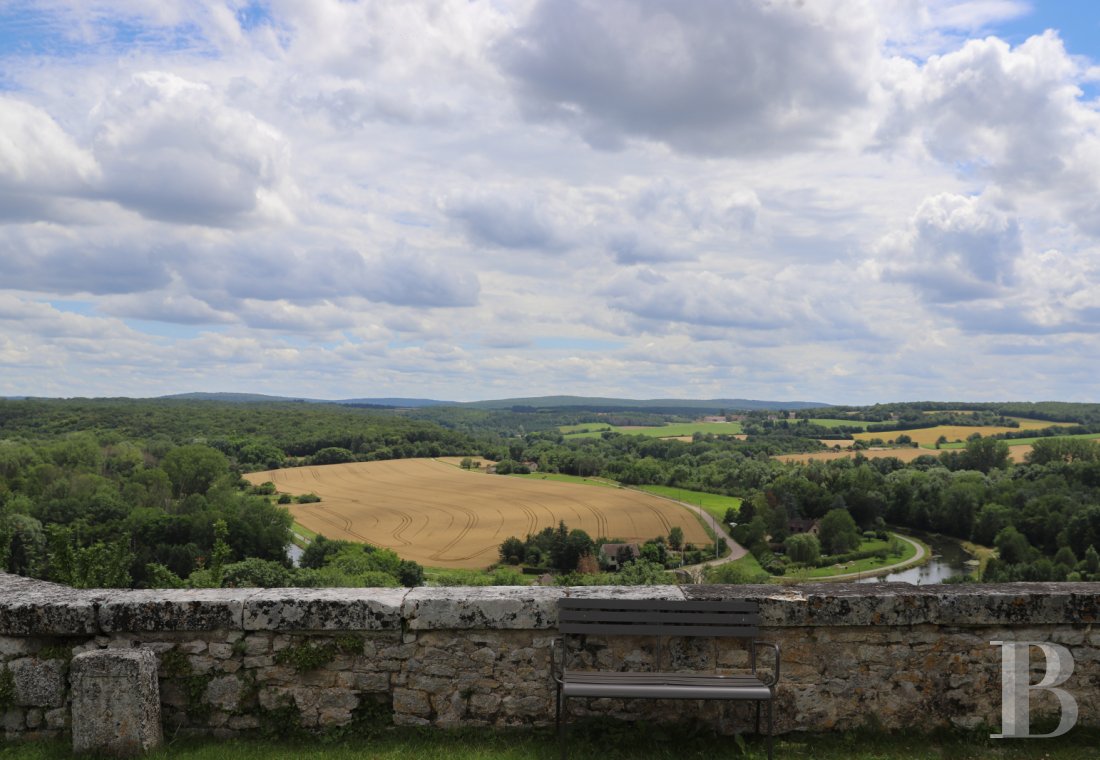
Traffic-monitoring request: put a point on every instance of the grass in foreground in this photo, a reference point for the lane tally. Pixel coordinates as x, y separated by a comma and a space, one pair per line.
610, 740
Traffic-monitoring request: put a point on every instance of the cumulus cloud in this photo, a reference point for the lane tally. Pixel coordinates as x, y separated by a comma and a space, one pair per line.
957, 249
174, 150
721, 77
507, 222
1013, 116
413, 279
65, 261
703, 298
38, 162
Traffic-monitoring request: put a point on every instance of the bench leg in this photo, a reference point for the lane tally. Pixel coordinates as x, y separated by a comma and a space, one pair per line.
771, 727
758, 717
563, 720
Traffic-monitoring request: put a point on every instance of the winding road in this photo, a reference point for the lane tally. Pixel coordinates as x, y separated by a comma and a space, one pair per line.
736, 550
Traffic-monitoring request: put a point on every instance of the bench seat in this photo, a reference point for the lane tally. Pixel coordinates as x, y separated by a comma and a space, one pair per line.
580, 619
579, 683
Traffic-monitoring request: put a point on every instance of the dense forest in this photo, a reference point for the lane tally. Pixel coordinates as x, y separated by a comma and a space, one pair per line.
117, 492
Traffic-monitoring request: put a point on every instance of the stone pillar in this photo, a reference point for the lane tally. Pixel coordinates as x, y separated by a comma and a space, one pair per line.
116, 702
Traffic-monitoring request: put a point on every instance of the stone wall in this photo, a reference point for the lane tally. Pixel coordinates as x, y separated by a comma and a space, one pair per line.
237, 660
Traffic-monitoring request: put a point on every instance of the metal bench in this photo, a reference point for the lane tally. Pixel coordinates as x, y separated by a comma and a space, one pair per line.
662, 619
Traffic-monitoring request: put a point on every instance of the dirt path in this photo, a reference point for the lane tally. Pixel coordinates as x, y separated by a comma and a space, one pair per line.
736, 550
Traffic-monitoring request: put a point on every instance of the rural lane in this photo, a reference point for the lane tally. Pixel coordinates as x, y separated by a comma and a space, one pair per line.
736, 550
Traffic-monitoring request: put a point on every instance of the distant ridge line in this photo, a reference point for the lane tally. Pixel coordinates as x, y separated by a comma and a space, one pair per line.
590, 403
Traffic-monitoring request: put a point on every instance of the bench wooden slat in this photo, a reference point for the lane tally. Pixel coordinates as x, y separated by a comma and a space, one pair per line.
635, 685
659, 629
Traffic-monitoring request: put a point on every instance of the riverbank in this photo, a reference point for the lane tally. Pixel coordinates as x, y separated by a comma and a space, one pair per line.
921, 555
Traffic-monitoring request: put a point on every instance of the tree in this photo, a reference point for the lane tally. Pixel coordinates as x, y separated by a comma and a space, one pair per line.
642, 573
256, 573
512, 551
1047, 450
192, 469
652, 551
838, 532
803, 548
676, 537
587, 564
1012, 546
332, 455
985, 454
1092, 560
567, 550
410, 573
991, 520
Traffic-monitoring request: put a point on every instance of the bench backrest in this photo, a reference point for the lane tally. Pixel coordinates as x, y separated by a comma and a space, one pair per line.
659, 617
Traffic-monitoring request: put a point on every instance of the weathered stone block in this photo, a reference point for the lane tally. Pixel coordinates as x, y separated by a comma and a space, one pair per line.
411, 702
38, 683
461, 608
116, 702
350, 609
31, 607
224, 693
12, 720
173, 610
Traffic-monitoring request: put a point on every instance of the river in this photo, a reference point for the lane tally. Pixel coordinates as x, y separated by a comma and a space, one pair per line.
948, 559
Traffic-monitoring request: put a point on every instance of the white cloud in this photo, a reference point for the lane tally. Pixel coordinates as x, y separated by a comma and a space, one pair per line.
957, 249
39, 163
816, 200
175, 151
727, 77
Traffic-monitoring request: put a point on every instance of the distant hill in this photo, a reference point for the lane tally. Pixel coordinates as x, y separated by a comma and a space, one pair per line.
249, 398
598, 404
233, 398
578, 403
403, 403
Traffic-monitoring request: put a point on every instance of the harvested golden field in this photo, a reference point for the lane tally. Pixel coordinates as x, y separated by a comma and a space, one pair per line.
443, 516
929, 436
1016, 453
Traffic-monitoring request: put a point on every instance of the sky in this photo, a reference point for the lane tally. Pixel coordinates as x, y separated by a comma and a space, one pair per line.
843, 201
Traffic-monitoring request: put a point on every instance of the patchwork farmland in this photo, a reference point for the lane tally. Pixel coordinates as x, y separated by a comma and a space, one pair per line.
927, 437
442, 516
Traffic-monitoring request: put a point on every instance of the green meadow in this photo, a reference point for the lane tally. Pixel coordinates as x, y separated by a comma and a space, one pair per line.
674, 430
714, 504
839, 423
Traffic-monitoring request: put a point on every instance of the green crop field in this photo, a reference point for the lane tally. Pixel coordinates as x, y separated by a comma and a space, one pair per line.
715, 504
675, 430
1030, 441
840, 423
602, 482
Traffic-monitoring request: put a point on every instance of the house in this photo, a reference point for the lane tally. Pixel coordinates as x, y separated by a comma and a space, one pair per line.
612, 556
802, 525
